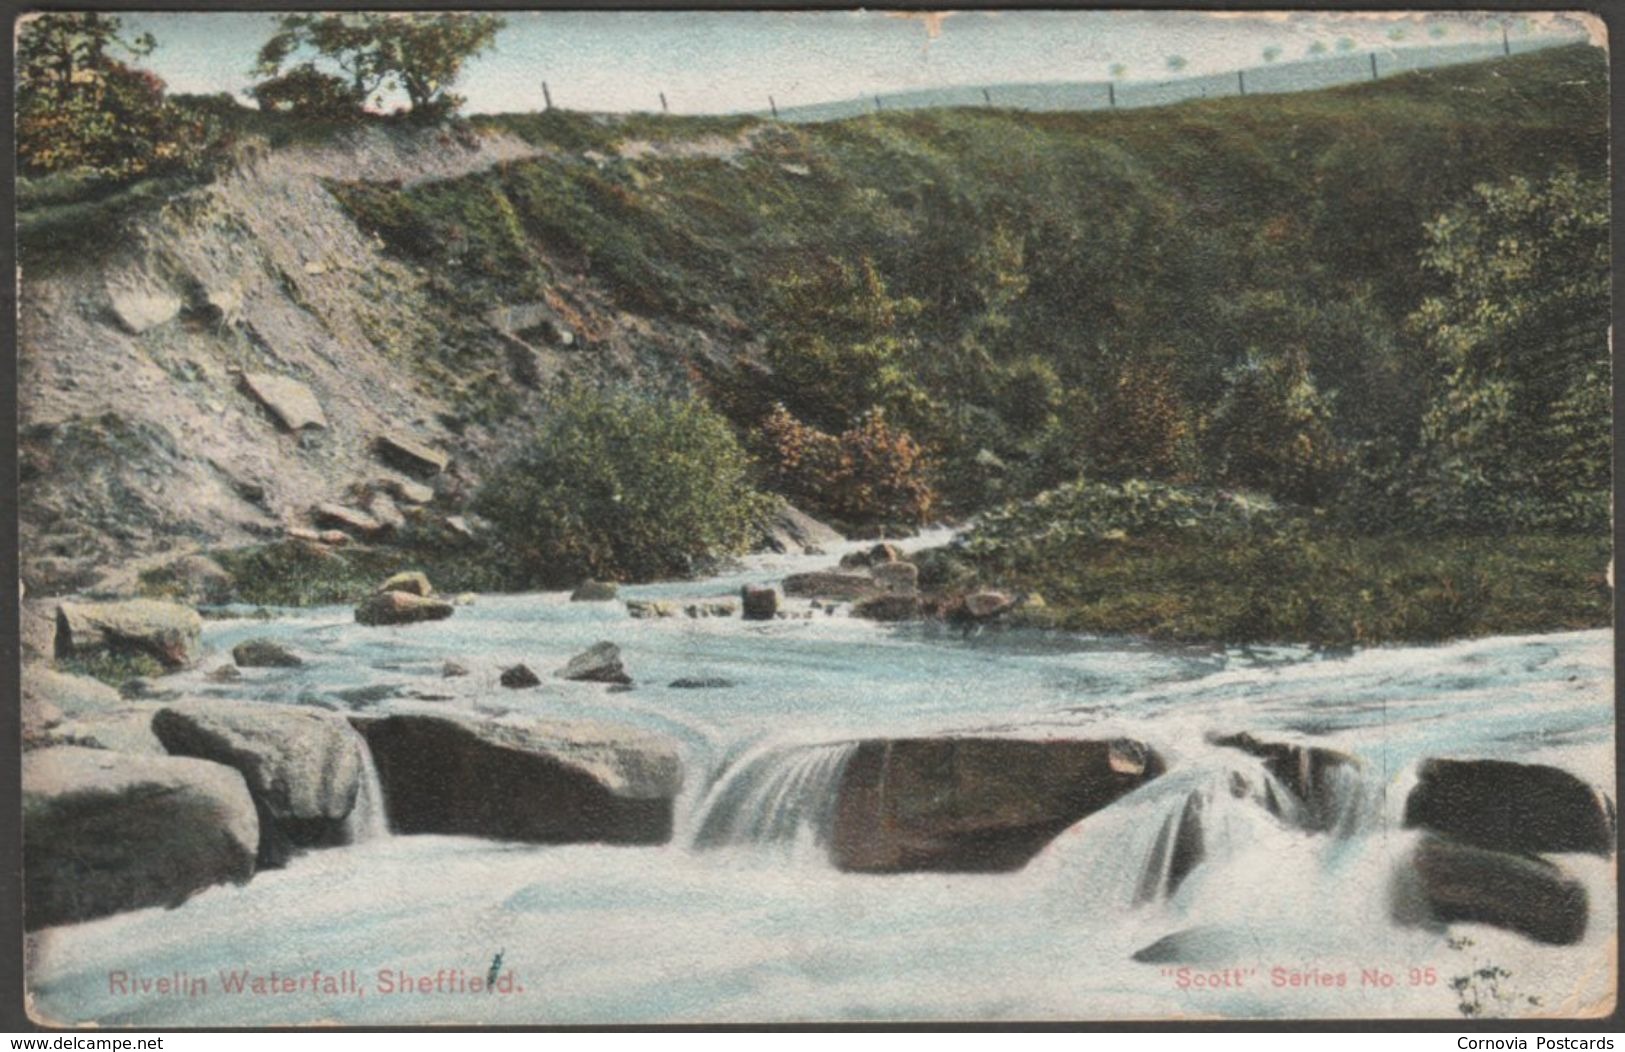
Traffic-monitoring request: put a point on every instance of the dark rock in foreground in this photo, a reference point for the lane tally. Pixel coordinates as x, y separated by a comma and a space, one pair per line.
1447, 882
760, 602
400, 608
599, 663
105, 832
1510, 807
535, 782
166, 631
974, 804
1311, 774
264, 653
518, 677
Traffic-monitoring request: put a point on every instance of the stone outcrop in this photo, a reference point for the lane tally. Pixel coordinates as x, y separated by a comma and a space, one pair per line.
760, 602
264, 653
974, 804
1448, 882
303, 766
599, 663
519, 677
411, 456
386, 512
540, 782
289, 401
1508, 806
338, 517
830, 584
138, 304
888, 608
406, 490
1313, 775
789, 529
105, 832
400, 608
166, 631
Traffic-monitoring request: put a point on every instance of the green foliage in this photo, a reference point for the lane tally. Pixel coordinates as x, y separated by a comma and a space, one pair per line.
113, 667
871, 474
616, 487
297, 573
419, 54
305, 91
1272, 430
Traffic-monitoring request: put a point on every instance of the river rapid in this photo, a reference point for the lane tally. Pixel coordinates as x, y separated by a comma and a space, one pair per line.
741, 918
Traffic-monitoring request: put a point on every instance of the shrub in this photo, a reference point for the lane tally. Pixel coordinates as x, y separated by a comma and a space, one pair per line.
305, 91
871, 473
618, 487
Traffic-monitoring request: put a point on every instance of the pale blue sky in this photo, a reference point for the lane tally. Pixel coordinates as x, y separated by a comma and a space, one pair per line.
708, 62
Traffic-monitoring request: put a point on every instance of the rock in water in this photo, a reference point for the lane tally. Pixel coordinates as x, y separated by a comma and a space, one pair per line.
888, 608
896, 578
302, 766
760, 602
264, 653
400, 608
827, 584
600, 663
701, 683
539, 782
594, 592
981, 606
1457, 883
412, 582
712, 608
647, 608
519, 677
105, 832
167, 631
1509, 806
453, 669
973, 804
290, 401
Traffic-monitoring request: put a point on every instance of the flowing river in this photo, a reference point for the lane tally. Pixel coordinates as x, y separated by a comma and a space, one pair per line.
742, 918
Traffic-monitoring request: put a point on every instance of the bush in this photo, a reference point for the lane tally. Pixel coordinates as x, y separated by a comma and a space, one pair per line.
306, 91
869, 474
617, 487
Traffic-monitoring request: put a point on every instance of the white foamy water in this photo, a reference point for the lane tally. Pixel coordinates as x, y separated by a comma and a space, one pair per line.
741, 918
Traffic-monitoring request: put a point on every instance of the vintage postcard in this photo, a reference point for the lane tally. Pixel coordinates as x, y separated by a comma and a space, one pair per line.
603, 518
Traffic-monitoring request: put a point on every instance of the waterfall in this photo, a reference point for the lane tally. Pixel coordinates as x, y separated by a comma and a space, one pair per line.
367, 820
784, 796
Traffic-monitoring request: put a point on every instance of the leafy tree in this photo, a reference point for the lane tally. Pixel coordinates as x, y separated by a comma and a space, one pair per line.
306, 91
1143, 426
619, 487
1272, 430
79, 108
419, 54
872, 473
1517, 432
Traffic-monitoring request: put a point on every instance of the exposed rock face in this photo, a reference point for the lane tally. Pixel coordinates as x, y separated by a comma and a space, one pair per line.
1508, 806
1311, 774
518, 677
385, 512
535, 782
888, 607
400, 608
974, 804
760, 602
407, 490
594, 592
1448, 882
339, 517
264, 653
290, 401
105, 832
410, 455
411, 582
139, 305
302, 766
828, 584
896, 578
599, 663
789, 529
166, 631
647, 608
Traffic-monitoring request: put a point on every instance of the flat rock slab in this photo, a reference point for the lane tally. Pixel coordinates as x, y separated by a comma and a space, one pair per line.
411, 455
974, 804
139, 305
401, 608
339, 517
290, 401
533, 781
166, 631
105, 832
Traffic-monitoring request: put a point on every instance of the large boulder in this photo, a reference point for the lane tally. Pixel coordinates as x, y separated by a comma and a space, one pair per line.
289, 401
105, 832
1509, 806
264, 653
303, 766
830, 584
760, 602
888, 607
1447, 882
599, 663
400, 608
47, 690
539, 782
410, 455
791, 530
973, 804
166, 631
1316, 777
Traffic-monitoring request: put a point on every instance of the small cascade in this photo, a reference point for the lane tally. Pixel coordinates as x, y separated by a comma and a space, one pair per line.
784, 797
367, 820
